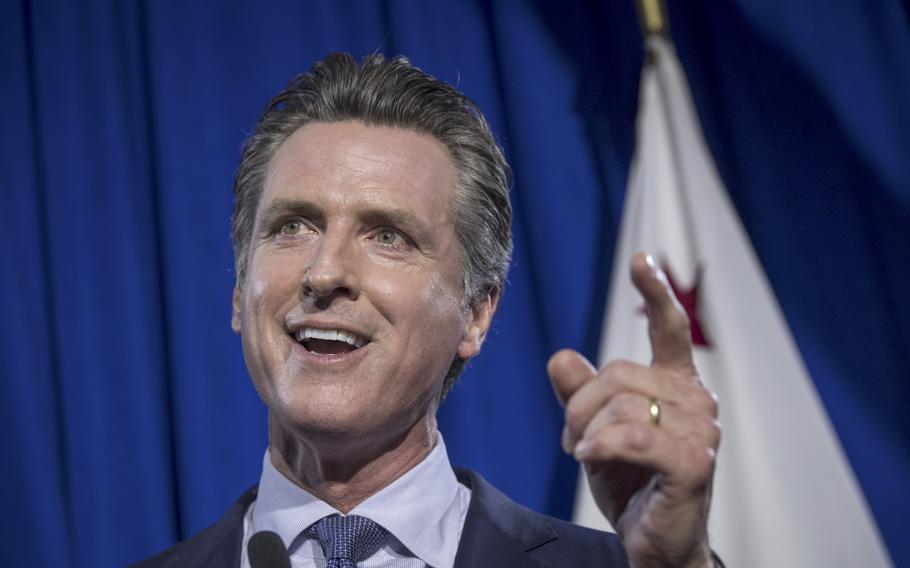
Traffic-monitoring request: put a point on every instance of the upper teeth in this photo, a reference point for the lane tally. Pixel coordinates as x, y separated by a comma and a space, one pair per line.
331, 335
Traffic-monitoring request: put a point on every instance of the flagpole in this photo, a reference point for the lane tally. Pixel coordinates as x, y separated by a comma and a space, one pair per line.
655, 29
652, 16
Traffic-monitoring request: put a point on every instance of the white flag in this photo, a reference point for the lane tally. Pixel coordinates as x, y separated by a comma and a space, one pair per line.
784, 492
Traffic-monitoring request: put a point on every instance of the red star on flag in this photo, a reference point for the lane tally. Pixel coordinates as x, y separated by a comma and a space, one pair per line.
688, 298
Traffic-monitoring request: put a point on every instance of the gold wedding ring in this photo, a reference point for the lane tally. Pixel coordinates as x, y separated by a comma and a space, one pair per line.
654, 410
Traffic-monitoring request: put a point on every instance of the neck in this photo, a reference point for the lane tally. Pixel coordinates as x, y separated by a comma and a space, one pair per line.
345, 472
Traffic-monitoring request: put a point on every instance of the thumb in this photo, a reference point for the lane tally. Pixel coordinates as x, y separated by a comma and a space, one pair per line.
568, 370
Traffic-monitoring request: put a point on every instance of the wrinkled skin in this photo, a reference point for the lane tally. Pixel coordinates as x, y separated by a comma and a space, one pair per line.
652, 481
354, 232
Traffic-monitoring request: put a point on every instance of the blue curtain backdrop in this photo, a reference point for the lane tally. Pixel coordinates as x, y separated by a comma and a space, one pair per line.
127, 418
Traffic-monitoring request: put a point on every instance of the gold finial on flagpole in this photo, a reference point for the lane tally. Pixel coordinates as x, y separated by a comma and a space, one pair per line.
652, 15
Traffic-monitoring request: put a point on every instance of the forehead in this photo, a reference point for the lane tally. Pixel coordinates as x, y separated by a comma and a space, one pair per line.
348, 162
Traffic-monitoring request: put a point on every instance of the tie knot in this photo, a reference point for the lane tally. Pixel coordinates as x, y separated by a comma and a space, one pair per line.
347, 538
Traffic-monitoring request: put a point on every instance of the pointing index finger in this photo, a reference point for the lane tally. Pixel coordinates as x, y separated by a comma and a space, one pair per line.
668, 324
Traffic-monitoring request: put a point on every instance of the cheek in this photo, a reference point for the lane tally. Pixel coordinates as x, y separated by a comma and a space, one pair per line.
254, 305
271, 281
263, 298
424, 307
258, 289
443, 318
251, 318
442, 299
426, 299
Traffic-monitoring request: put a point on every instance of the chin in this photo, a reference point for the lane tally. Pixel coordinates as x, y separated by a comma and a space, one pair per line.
341, 422
310, 414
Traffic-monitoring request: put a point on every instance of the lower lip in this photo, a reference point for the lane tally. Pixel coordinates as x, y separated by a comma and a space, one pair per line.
328, 358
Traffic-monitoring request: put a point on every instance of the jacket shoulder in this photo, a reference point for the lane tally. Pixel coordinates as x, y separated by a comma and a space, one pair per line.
498, 527
218, 545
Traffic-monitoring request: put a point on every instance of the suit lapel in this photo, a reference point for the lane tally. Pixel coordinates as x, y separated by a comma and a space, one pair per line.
224, 542
497, 531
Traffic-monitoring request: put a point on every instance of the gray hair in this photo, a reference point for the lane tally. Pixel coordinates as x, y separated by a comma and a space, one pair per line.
393, 93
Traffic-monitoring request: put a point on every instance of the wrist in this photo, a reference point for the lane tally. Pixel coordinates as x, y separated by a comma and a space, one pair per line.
699, 557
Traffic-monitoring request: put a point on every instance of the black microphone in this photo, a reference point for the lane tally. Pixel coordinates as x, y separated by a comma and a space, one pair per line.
266, 550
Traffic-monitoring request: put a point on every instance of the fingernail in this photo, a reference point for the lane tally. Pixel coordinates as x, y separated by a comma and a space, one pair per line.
582, 449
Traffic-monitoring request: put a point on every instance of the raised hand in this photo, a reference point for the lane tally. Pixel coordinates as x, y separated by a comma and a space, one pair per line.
647, 435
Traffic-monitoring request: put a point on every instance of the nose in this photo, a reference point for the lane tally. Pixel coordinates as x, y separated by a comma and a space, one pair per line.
332, 270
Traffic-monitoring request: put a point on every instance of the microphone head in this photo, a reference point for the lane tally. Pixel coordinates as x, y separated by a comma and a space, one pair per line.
266, 550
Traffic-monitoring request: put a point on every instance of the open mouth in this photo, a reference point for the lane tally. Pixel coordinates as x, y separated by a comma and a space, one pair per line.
329, 341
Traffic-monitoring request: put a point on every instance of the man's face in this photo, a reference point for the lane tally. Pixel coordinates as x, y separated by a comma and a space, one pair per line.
351, 309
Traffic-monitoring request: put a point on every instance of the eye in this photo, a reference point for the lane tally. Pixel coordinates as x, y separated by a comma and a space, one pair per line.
389, 237
292, 227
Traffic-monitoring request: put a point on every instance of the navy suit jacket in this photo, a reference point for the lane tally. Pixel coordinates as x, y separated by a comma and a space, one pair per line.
497, 533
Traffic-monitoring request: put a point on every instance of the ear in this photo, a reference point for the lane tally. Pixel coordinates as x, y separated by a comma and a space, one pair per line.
235, 310
478, 323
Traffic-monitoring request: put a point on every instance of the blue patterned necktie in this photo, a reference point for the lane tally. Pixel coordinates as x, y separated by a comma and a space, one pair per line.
346, 540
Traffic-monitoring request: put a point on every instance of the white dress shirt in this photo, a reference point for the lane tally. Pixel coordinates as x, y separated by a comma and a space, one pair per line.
423, 511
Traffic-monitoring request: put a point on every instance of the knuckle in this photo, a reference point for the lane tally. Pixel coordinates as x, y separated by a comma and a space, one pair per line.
700, 463
703, 400
716, 433
706, 433
639, 437
623, 407
597, 444
618, 371
713, 406
616, 367
708, 402
706, 458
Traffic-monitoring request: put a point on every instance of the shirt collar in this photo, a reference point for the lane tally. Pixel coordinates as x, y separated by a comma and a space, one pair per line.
421, 508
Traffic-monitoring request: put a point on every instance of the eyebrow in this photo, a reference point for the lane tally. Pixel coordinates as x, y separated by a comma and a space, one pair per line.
401, 218
283, 207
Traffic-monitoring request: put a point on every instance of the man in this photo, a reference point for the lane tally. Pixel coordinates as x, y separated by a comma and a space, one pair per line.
371, 237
